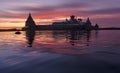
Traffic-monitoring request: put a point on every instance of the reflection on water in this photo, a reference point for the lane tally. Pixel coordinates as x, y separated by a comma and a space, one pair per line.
52, 51
30, 37
63, 38
72, 42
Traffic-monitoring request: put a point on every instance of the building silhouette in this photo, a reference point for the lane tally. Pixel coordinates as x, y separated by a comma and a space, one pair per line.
72, 21
30, 24
69, 24
88, 22
88, 25
96, 26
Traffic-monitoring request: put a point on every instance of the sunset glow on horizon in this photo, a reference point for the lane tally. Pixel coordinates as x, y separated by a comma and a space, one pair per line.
104, 12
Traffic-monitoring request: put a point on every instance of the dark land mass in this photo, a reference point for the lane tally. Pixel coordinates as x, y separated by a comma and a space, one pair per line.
73, 27
49, 27
8, 29
69, 27
111, 28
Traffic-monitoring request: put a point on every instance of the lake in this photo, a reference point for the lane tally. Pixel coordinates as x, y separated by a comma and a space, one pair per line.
60, 52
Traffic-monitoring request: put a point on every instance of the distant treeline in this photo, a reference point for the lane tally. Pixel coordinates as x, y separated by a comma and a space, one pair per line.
111, 28
61, 28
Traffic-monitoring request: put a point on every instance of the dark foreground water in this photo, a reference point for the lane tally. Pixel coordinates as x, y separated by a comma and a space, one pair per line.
60, 52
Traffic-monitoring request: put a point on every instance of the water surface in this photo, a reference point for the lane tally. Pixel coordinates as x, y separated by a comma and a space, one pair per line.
60, 52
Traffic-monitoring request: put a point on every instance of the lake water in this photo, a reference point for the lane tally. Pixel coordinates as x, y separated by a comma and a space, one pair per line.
60, 52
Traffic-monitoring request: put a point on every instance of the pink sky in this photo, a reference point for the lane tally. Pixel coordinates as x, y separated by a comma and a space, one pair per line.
104, 12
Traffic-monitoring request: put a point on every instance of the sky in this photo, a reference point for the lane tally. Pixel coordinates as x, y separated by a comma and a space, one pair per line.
13, 13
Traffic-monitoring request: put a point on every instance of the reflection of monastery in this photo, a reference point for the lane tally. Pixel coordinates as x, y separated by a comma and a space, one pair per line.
71, 24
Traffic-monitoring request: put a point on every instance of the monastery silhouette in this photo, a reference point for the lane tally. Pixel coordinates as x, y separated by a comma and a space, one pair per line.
71, 24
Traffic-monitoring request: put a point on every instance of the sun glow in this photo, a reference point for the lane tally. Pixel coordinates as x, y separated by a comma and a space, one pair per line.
12, 25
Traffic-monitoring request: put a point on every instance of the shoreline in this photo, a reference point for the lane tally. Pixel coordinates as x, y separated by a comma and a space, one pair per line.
60, 29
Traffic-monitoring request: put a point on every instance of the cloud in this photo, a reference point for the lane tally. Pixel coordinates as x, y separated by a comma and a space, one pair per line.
38, 8
55, 10
105, 11
46, 11
108, 22
80, 8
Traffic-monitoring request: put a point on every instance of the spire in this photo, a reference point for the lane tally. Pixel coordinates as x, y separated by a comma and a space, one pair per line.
72, 18
29, 14
88, 21
30, 22
30, 19
96, 26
